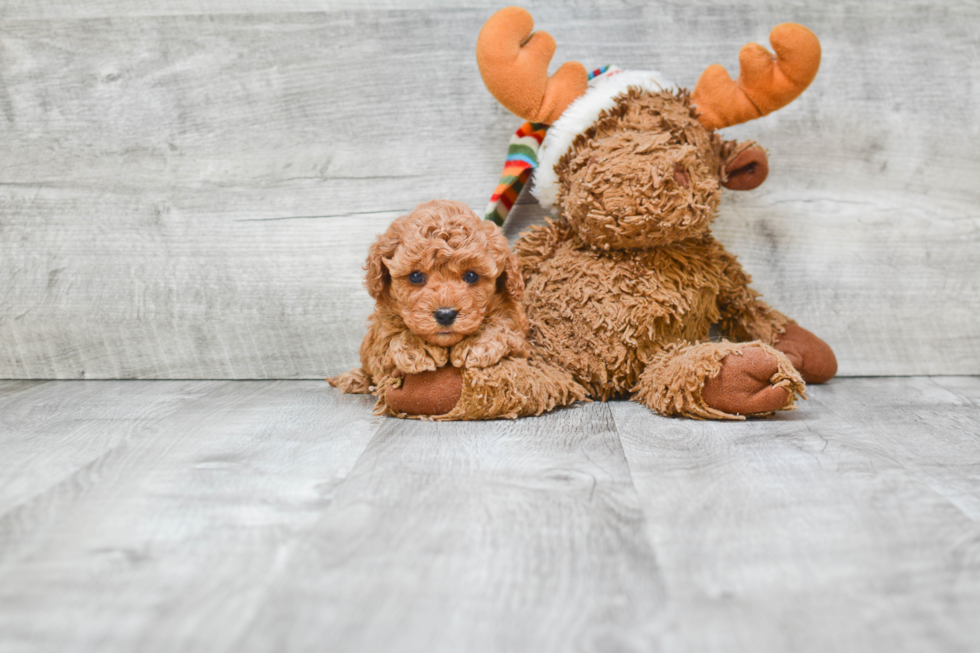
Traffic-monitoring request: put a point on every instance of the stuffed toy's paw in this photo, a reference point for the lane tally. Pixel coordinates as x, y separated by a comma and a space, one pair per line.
812, 357
747, 384
428, 393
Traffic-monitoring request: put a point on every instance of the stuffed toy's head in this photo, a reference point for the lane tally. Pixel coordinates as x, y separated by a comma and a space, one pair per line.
444, 271
628, 159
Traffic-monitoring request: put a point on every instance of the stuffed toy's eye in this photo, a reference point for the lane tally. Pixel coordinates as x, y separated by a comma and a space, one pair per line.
416, 277
470, 276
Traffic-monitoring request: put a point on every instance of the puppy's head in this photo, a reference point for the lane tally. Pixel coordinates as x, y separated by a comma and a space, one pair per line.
442, 269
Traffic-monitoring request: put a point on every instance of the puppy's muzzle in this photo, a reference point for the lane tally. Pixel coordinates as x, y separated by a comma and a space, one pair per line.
445, 316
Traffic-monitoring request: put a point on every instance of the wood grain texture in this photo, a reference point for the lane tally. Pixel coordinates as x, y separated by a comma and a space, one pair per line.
166, 541
10, 388
849, 525
493, 536
50, 431
283, 516
188, 189
60, 9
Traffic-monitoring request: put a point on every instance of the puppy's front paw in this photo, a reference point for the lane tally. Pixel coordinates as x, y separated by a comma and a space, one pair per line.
411, 355
413, 361
477, 354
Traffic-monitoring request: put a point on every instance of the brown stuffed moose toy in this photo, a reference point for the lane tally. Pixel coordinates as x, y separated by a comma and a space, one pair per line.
621, 290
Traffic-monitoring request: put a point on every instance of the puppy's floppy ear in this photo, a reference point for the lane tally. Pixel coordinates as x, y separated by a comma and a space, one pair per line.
378, 278
510, 282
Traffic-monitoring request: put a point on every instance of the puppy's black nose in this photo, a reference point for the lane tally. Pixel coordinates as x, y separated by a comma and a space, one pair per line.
445, 316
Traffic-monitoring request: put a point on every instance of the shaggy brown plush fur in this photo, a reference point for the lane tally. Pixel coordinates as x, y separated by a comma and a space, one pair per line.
622, 290
606, 314
442, 256
678, 380
645, 174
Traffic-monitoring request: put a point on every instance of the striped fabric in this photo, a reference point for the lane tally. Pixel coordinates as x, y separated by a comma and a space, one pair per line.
598, 71
522, 158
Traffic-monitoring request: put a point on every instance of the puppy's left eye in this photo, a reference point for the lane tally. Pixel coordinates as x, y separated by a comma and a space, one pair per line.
470, 276
416, 277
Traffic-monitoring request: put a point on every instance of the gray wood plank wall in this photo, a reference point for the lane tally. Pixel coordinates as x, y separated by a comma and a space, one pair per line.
188, 189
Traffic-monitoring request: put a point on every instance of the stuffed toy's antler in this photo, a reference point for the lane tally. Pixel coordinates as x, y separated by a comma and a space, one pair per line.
514, 66
765, 83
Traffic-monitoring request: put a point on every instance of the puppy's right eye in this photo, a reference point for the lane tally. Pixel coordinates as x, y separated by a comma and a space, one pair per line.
416, 277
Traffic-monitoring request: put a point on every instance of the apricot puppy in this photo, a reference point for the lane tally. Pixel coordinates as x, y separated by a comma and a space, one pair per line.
447, 290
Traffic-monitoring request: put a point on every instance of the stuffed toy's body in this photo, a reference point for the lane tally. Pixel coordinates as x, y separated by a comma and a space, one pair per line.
637, 323
622, 289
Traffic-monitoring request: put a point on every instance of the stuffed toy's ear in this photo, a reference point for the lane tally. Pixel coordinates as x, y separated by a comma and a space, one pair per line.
746, 168
378, 278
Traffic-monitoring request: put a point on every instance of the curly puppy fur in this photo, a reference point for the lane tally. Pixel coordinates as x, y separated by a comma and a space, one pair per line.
440, 256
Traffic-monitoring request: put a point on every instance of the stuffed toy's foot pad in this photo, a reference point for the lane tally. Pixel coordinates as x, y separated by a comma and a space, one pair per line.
427, 393
812, 357
743, 387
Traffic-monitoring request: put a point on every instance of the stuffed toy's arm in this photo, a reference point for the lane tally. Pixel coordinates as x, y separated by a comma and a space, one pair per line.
743, 315
510, 388
746, 317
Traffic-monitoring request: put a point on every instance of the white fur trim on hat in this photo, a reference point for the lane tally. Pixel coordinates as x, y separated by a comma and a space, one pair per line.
580, 115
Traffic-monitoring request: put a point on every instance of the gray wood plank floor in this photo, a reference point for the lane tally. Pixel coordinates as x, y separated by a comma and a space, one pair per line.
281, 516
